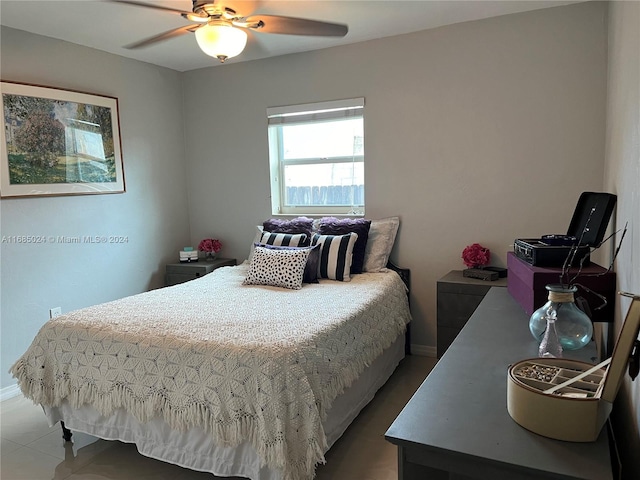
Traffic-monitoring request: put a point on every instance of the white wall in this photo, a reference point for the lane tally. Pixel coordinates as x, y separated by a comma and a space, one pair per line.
622, 176
478, 132
153, 212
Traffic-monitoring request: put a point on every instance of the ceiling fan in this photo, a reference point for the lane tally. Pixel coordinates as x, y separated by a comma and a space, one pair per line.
221, 31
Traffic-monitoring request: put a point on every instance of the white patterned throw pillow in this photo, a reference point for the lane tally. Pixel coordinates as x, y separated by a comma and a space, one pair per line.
277, 268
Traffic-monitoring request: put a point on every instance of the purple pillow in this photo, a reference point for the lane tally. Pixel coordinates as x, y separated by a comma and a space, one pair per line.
311, 268
295, 225
342, 226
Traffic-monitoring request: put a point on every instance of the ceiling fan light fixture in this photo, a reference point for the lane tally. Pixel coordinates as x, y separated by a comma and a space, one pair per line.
221, 40
194, 17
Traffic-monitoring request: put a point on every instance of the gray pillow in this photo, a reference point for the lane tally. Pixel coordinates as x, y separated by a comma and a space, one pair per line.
382, 236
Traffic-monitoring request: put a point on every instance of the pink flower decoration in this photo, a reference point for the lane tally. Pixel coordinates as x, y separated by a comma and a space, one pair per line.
476, 255
210, 245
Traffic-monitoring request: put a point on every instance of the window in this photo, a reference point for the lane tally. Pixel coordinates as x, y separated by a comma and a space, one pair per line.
316, 155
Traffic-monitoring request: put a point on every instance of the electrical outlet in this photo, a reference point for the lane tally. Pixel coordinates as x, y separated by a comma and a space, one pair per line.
55, 312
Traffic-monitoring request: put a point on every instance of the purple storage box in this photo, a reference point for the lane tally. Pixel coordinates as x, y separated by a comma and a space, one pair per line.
526, 284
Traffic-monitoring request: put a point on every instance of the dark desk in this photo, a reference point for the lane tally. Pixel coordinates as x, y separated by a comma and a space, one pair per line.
456, 426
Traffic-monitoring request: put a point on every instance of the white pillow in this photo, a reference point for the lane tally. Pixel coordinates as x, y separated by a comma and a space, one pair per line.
277, 268
256, 239
382, 235
336, 252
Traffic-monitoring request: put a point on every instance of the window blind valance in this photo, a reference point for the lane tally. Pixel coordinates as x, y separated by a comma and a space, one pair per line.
316, 112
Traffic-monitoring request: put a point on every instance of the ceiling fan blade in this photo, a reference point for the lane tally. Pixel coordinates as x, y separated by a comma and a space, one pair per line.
163, 36
151, 5
295, 26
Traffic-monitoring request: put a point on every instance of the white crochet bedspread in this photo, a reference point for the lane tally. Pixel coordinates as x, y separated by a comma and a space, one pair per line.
254, 363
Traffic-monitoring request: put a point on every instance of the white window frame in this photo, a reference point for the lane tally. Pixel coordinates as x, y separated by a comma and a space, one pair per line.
301, 114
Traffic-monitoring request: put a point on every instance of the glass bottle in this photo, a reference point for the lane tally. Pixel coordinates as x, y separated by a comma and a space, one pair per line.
573, 326
550, 345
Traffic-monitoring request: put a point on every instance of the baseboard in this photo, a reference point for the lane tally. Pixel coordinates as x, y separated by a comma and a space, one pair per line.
9, 392
423, 350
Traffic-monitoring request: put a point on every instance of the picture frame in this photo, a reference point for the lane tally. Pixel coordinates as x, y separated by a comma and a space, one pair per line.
58, 142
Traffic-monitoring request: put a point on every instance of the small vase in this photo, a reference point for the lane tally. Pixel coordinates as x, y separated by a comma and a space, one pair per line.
573, 326
550, 346
209, 256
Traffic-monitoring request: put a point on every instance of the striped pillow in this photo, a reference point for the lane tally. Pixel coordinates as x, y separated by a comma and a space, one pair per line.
336, 254
342, 226
283, 239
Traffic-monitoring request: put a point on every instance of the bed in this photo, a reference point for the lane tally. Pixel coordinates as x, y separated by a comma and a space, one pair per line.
223, 376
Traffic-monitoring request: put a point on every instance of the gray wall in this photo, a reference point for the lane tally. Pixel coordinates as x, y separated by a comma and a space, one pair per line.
153, 212
478, 132
622, 176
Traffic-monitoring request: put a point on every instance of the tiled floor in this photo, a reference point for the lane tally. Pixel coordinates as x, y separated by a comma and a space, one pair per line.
31, 450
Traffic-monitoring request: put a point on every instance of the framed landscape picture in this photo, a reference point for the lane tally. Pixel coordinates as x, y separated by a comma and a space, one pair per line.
58, 142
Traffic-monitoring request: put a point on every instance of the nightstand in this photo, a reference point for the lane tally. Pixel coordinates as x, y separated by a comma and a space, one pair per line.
458, 297
183, 272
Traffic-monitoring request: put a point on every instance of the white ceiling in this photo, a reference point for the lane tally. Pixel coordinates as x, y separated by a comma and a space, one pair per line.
108, 26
